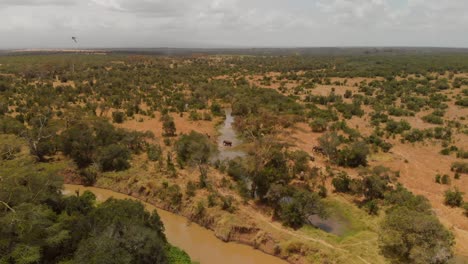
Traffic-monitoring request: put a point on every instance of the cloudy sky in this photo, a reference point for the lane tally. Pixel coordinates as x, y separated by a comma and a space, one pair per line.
232, 23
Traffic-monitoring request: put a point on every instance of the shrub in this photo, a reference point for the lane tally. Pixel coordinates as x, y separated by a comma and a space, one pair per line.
460, 167
414, 135
154, 152
409, 236
453, 198
89, 174
9, 150
216, 109
372, 207
114, 158
462, 102
194, 149
445, 179
394, 127
322, 191
354, 155
118, 117
462, 154
341, 182
297, 206
227, 203
433, 119
211, 200
191, 189
169, 128
319, 125
437, 178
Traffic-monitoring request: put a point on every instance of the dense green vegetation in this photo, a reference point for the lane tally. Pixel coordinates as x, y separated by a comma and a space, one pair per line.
40, 225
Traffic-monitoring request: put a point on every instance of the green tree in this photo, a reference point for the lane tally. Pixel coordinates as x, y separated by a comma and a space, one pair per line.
194, 149
114, 158
79, 143
409, 236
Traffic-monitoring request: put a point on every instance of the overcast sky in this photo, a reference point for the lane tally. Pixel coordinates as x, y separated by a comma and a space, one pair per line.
232, 23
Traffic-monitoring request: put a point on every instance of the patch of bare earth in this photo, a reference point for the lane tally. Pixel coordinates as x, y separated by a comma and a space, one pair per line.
183, 125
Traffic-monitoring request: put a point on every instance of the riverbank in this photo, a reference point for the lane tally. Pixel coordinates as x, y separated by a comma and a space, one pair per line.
200, 243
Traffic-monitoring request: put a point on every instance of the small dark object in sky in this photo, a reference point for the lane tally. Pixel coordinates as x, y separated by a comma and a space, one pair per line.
75, 39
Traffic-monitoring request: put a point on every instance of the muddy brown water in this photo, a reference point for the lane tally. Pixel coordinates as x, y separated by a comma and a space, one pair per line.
199, 242
228, 133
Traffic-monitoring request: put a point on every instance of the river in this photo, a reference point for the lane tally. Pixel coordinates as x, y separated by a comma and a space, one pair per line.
228, 133
199, 242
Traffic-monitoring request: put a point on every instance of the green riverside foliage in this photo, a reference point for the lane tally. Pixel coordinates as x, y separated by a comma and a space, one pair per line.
194, 149
39, 225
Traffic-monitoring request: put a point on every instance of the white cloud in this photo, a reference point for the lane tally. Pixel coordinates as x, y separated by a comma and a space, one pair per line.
233, 22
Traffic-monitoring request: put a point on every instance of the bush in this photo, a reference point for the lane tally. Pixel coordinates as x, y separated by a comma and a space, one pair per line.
462, 102
177, 256
319, 125
227, 203
460, 167
445, 179
89, 175
409, 236
453, 198
414, 135
194, 149
191, 189
9, 125
341, 182
394, 127
462, 154
354, 155
118, 117
8, 150
114, 158
433, 119
372, 207
154, 152
297, 206
216, 110
169, 128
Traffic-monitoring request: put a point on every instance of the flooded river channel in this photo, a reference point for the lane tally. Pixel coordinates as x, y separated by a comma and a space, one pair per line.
227, 133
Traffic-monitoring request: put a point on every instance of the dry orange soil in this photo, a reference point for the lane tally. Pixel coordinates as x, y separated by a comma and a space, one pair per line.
418, 163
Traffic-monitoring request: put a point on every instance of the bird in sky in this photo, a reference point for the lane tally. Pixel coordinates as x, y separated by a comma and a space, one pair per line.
75, 39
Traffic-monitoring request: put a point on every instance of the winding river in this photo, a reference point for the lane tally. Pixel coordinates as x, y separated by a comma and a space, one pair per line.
199, 242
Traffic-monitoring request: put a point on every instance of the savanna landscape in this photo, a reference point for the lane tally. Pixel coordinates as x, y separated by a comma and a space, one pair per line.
357, 157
